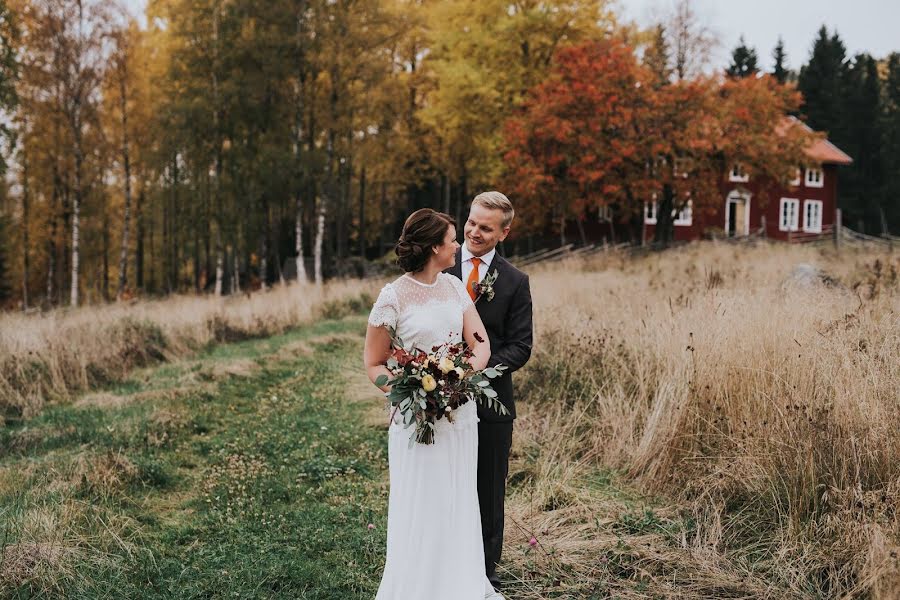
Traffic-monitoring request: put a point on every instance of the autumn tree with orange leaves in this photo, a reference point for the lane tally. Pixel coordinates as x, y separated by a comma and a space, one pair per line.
603, 130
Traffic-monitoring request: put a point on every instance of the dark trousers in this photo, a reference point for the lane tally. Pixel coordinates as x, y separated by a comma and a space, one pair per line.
494, 442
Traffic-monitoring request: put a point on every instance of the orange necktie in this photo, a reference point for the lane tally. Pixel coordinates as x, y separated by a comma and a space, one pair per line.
473, 277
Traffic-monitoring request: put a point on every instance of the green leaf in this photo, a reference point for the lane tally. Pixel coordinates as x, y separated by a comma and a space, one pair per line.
381, 380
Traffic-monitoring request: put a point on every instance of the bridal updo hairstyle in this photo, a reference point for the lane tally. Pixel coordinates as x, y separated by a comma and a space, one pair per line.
423, 230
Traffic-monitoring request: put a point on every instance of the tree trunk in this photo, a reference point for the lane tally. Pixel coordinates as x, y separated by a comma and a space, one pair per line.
298, 231
151, 264
173, 248
207, 233
299, 91
320, 235
106, 249
264, 243
323, 201
277, 246
579, 221
51, 243
76, 214
126, 158
236, 277
464, 195
664, 222
382, 231
344, 212
217, 189
166, 257
196, 253
445, 186
362, 213
139, 234
25, 254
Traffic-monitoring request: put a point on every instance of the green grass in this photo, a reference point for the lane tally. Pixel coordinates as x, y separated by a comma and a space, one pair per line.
259, 485
252, 470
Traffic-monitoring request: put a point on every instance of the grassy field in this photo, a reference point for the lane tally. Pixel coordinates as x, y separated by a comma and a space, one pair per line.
253, 470
693, 425
246, 472
766, 408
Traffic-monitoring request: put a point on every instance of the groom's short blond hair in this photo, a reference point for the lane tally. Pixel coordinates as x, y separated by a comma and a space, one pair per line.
496, 201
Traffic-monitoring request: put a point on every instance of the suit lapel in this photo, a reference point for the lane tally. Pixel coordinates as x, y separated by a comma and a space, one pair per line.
456, 269
496, 263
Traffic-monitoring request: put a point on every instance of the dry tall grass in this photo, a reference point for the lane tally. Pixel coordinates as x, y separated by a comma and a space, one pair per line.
54, 355
770, 409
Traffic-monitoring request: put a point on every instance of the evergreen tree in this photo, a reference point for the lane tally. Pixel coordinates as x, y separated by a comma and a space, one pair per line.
743, 61
891, 143
780, 72
821, 82
861, 184
657, 56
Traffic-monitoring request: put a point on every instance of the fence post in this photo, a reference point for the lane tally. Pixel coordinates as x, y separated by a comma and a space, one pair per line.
837, 229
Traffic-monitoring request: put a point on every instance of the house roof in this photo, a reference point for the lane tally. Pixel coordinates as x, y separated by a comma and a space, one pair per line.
821, 150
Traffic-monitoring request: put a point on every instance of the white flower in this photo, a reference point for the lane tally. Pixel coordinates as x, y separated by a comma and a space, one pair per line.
446, 365
460, 371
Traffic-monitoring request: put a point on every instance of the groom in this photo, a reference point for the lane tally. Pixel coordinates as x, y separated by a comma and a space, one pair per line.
507, 318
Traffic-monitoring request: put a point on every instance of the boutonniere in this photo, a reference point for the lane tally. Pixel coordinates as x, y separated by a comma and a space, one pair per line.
486, 286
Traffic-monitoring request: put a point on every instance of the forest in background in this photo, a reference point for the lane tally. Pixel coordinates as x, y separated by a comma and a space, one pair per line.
211, 148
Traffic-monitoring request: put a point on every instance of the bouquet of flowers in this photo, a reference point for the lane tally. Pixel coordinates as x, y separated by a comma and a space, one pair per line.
426, 387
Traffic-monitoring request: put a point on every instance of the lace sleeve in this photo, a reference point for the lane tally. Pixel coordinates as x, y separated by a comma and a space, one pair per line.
465, 301
385, 311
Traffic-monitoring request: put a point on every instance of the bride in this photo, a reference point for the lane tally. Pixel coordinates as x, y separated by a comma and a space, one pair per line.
434, 544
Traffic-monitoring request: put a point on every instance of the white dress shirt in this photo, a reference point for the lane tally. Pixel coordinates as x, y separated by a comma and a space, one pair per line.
466, 258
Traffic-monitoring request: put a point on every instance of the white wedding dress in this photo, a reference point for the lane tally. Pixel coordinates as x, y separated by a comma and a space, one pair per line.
434, 545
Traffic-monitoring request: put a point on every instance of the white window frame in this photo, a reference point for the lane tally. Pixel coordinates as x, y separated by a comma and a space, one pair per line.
811, 180
794, 224
685, 218
604, 213
815, 227
798, 173
737, 174
650, 213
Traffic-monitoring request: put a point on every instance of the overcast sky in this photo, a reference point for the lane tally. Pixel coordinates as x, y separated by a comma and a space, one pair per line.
864, 25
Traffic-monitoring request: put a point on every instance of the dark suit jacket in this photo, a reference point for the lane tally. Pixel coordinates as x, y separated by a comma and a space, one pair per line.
507, 319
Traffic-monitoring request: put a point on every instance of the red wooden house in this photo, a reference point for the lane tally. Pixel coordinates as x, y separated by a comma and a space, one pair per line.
806, 207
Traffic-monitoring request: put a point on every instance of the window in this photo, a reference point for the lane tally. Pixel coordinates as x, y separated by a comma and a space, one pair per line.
789, 213
812, 216
815, 178
738, 174
684, 216
658, 166
796, 180
604, 213
650, 213
682, 167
